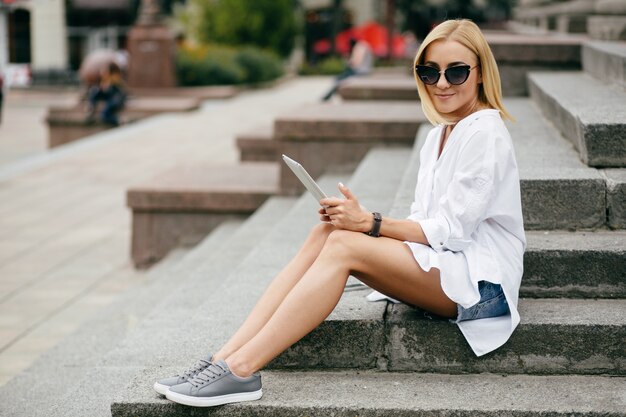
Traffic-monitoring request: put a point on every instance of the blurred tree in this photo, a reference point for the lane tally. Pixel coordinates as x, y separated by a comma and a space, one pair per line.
265, 23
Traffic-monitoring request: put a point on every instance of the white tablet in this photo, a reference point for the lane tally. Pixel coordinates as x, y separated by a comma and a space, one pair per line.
305, 178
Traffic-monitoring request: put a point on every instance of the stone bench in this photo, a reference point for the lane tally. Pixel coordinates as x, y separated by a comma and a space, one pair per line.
379, 88
322, 136
258, 145
67, 124
181, 206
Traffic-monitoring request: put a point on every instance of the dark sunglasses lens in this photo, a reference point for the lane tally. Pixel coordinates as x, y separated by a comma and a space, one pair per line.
428, 75
457, 75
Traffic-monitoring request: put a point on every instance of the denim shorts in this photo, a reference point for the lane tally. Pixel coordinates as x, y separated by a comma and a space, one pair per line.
492, 303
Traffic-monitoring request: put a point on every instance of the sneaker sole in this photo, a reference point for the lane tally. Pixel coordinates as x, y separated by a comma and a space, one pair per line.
160, 388
213, 401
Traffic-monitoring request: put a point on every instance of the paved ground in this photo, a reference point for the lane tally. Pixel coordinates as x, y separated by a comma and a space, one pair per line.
64, 227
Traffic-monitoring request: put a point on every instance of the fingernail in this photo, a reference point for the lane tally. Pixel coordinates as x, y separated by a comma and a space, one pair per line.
341, 185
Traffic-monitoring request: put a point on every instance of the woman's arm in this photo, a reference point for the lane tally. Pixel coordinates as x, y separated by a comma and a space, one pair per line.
348, 214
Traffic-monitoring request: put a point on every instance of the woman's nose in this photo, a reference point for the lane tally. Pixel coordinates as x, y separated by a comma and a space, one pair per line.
442, 82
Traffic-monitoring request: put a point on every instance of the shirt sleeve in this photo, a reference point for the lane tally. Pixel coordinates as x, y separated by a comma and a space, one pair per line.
467, 198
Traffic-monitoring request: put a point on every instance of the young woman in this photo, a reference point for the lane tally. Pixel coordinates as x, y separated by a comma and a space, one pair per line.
459, 253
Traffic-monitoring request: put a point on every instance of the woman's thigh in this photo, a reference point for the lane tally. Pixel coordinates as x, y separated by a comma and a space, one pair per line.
387, 265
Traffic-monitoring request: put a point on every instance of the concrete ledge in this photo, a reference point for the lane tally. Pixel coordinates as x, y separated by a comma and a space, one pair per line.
575, 264
323, 136
379, 88
556, 336
616, 198
183, 205
589, 113
389, 394
607, 28
605, 60
258, 145
67, 124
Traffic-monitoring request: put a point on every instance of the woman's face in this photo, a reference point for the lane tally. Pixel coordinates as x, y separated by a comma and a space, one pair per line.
453, 101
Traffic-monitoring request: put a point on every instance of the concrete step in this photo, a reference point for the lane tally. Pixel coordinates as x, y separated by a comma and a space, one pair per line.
379, 88
182, 205
200, 319
553, 177
518, 54
616, 197
322, 136
258, 145
404, 338
588, 112
366, 393
606, 61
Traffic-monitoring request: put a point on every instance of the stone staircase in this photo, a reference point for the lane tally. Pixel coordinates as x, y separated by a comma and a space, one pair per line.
567, 357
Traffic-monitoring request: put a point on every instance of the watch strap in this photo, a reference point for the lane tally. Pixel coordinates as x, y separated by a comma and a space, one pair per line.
375, 232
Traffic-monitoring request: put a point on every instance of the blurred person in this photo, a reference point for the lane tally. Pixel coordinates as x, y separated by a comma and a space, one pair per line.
360, 63
109, 90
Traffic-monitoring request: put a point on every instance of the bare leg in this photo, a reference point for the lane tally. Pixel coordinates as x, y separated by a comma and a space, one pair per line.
278, 290
384, 264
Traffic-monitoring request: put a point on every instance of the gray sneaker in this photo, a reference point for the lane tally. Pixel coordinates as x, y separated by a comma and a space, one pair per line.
216, 385
162, 385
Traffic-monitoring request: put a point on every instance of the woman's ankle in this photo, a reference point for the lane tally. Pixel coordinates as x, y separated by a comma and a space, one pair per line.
239, 368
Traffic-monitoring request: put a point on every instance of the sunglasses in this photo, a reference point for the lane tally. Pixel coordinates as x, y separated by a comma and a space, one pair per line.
455, 75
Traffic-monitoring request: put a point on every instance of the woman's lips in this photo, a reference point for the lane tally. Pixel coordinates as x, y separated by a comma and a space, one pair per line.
443, 96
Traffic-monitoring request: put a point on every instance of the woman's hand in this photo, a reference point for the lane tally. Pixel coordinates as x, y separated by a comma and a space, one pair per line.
345, 213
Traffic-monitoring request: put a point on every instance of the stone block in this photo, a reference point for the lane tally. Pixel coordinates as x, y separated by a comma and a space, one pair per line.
323, 136
607, 28
616, 198
606, 61
67, 124
575, 265
556, 336
258, 145
589, 113
379, 88
183, 205
555, 203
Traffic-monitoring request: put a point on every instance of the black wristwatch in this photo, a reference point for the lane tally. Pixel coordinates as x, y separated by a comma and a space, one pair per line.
375, 232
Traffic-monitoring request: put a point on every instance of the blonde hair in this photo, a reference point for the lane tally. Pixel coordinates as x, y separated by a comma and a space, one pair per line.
468, 34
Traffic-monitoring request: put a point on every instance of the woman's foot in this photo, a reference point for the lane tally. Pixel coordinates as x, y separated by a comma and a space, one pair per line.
216, 385
162, 385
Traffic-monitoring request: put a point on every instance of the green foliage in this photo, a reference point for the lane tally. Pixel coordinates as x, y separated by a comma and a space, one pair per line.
268, 24
328, 66
219, 65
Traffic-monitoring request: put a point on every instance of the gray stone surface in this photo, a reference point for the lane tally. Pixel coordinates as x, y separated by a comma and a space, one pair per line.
616, 197
556, 336
606, 61
369, 394
36, 391
168, 333
379, 88
200, 317
608, 28
359, 121
575, 264
588, 112
258, 145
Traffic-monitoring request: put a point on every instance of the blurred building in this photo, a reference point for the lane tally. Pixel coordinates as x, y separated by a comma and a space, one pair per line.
51, 37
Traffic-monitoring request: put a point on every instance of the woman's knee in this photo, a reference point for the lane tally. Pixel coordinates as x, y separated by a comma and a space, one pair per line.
342, 243
321, 231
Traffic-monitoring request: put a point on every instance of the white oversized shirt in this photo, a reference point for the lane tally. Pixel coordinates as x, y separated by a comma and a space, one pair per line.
468, 203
